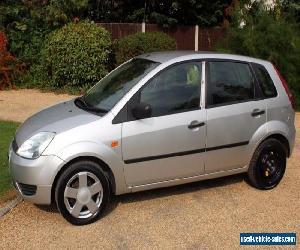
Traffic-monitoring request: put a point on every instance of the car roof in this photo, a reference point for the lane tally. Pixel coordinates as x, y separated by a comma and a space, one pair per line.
166, 56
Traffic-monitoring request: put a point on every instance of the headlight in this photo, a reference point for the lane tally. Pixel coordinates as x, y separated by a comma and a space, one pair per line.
35, 146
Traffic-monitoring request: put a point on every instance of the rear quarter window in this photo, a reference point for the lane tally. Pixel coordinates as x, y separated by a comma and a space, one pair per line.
265, 81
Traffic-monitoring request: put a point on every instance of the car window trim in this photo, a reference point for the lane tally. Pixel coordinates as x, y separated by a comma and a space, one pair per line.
257, 91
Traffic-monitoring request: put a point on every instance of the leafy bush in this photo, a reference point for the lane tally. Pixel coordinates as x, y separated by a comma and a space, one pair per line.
76, 55
25, 26
60, 12
267, 36
26, 43
27, 23
9, 65
140, 43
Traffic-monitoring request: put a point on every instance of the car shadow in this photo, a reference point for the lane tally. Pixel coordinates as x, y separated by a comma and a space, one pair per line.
160, 193
180, 189
48, 208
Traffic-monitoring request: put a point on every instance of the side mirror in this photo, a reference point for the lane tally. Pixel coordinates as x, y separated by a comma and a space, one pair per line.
142, 111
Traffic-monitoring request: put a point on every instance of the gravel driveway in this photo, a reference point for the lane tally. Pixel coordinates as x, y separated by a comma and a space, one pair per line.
17, 105
204, 215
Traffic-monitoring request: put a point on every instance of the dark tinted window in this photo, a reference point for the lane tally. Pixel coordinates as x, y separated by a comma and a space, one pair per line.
229, 82
176, 89
265, 81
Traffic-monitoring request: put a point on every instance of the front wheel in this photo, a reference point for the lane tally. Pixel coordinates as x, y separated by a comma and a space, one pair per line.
82, 192
268, 164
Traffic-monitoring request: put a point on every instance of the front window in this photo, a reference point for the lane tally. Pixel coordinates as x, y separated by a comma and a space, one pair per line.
174, 90
110, 90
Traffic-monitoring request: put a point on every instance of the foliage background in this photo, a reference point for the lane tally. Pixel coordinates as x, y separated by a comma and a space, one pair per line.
141, 43
268, 33
273, 35
75, 56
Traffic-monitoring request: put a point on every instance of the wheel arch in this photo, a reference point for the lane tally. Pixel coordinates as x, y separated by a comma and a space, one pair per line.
282, 139
273, 129
107, 170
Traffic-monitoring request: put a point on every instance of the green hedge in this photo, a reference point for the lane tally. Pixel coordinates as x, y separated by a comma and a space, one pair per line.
76, 55
269, 37
140, 43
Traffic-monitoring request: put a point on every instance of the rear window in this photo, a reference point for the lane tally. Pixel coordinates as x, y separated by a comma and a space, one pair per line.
229, 82
265, 81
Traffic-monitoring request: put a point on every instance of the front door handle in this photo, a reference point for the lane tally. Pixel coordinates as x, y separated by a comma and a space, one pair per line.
196, 124
257, 112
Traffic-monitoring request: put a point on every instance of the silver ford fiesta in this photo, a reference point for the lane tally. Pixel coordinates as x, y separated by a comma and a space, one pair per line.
158, 120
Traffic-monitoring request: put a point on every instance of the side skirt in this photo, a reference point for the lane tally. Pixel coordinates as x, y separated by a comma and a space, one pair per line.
187, 179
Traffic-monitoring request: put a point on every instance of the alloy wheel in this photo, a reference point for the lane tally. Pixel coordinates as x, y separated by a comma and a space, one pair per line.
83, 195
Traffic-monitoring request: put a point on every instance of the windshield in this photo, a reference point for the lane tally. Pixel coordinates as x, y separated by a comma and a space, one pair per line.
109, 91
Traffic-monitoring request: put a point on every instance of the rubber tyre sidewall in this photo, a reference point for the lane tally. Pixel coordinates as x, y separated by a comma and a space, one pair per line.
62, 182
253, 171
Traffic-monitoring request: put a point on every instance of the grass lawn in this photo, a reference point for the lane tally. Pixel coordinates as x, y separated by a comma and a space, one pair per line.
7, 131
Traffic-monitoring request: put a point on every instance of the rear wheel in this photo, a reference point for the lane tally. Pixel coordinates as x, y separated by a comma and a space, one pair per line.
82, 192
268, 164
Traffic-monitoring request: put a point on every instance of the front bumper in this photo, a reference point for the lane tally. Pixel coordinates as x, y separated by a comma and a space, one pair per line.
34, 178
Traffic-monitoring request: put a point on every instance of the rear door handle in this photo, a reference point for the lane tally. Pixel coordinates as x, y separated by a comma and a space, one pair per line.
257, 112
196, 124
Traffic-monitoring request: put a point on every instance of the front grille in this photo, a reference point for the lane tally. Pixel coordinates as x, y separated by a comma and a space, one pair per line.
27, 189
14, 145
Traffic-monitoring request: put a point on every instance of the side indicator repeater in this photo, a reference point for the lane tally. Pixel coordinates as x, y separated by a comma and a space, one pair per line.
114, 144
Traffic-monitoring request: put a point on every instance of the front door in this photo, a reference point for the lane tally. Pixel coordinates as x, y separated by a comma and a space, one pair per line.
170, 144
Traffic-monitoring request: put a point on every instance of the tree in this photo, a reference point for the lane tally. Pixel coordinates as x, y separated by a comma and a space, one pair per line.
166, 13
292, 8
267, 34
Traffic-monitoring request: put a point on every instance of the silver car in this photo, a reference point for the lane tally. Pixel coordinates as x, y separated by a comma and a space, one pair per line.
158, 120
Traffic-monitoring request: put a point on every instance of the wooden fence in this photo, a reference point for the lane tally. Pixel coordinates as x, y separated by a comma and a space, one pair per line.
187, 37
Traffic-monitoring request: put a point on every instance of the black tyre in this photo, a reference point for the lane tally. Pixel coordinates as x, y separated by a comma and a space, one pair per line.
268, 164
82, 192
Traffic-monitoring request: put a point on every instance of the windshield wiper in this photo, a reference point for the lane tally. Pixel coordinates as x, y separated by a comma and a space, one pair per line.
95, 109
81, 103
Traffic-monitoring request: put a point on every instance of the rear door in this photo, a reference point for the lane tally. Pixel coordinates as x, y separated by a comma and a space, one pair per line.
170, 144
235, 112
